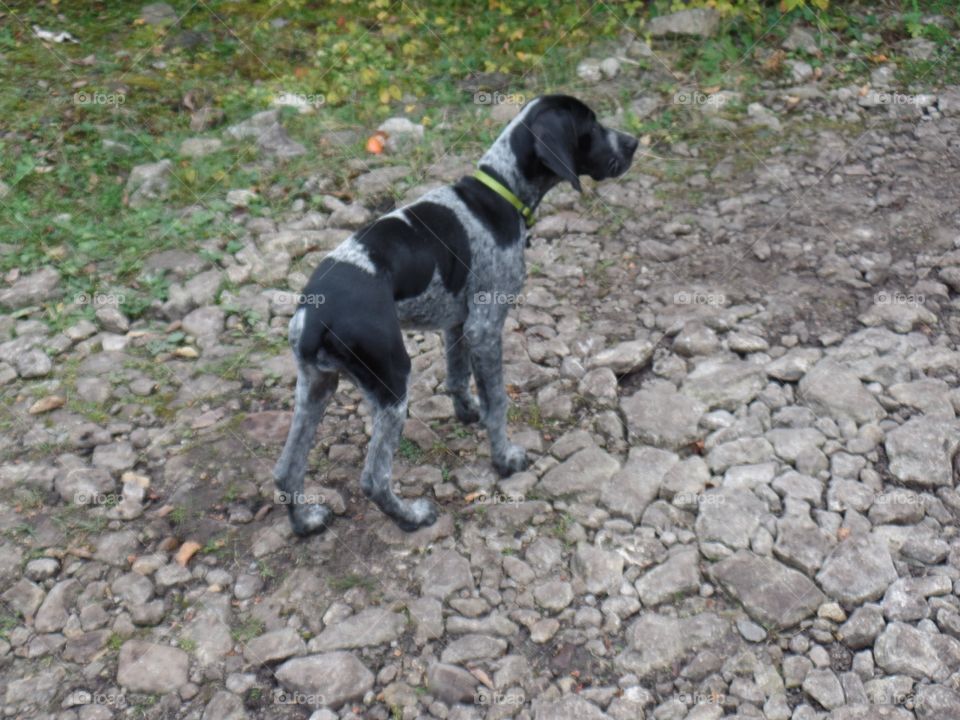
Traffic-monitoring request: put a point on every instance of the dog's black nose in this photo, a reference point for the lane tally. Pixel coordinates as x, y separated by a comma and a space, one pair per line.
630, 145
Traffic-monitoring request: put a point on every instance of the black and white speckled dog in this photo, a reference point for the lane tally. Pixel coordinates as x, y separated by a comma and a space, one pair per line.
440, 263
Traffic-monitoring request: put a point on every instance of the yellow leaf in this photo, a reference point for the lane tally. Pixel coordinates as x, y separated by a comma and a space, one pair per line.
385, 96
395, 92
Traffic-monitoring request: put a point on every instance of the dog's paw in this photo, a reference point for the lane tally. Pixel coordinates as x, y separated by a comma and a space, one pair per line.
309, 520
423, 513
513, 460
467, 409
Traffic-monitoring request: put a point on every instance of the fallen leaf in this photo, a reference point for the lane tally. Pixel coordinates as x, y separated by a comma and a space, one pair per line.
187, 551
843, 533
375, 143
482, 677
470, 497
186, 352
51, 402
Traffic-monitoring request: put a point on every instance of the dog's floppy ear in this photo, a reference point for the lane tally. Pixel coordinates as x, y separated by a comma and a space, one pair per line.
555, 142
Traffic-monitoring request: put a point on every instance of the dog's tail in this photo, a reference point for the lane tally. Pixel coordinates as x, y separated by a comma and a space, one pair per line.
307, 338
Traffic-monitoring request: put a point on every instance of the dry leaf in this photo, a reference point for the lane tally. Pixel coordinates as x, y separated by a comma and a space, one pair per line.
51, 402
186, 352
470, 497
482, 677
187, 551
843, 533
376, 142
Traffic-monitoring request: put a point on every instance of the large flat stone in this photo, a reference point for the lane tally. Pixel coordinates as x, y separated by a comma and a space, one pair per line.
921, 451
330, 679
858, 570
770, 592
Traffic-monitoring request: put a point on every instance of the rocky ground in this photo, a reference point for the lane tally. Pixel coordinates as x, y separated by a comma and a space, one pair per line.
737, 375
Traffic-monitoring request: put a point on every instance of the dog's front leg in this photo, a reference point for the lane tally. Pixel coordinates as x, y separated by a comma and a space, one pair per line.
465, 405
483, 333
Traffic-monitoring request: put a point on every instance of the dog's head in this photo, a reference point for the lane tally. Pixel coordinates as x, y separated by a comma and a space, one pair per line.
565, 139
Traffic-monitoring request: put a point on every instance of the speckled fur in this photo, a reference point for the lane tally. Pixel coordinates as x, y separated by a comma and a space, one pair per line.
471, 316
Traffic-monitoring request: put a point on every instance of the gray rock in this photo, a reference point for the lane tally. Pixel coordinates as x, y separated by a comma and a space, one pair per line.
794, 365
224, 706
897, 506
569, 707
148, 182
637, 484
824, 687
623, 358
678, 576
921, 451
802, 544
204, 322
23, 597
553, 595
771, 593
658, 415
443, 573
657, 642
151, 668
903, 649
832, 390
34, 363
115, 457
158, 14
858, 570
800, 39
582, 474
30, 289
380, 180
724, 384
274, 646
473, 647
330, 679
601, 570
937, 702
727, 521
373, 626
860, 711
699, 22
200, 147
451, 684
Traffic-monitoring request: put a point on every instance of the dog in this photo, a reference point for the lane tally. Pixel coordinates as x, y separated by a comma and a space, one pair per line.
440, 263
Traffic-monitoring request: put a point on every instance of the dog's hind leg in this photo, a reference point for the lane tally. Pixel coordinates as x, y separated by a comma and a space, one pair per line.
465, 405
314, 389
388, 419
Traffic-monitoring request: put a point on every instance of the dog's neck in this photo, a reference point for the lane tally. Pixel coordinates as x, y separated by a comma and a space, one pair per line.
502, 163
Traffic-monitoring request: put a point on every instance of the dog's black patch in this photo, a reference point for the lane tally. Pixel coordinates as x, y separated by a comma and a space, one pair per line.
408, 253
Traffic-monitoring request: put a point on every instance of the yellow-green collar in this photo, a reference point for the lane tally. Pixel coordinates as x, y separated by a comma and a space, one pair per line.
503, 191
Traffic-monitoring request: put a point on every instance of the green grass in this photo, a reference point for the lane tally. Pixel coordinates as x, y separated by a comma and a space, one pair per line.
366, 60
